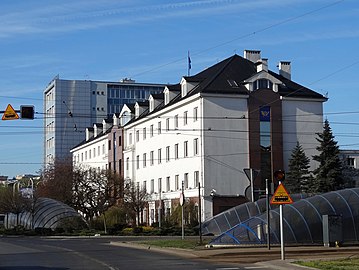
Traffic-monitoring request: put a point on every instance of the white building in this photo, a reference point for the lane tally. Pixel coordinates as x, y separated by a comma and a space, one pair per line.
93, 152
236, 114
70, 106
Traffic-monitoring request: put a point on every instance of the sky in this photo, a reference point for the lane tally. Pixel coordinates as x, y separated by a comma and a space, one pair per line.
148, 41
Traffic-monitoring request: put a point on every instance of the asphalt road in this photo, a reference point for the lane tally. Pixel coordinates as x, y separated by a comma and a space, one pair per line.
30, 253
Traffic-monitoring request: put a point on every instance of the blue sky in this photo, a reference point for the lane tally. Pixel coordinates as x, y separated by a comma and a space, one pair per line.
148, 41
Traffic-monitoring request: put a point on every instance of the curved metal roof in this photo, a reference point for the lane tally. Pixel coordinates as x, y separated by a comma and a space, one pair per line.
303, 221
48, 213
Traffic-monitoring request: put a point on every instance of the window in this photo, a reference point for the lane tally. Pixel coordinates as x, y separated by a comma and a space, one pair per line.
94, 152
144, 133
144, 186
262, 84
98, 150
185, 179
176, 121
85, 155
109, 145
185, 149
167, 153
119, 140
159, 185
90, 154
195, 146
159, 128
152, 188
129, 139
195, 114
151, 158
144, 160
167, 124
351, 162
137, 135
177, 182
103, 149
137, 161
176, 151
168, 184
127, 164
196, 178
159, 156
185, 118
151, 130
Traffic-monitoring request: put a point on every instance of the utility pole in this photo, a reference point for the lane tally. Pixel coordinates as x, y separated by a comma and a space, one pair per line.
200, 212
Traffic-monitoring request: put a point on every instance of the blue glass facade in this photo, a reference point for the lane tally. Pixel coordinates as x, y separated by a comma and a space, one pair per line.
118, 95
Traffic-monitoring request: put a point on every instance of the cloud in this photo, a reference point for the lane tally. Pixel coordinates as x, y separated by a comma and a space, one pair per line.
82, 15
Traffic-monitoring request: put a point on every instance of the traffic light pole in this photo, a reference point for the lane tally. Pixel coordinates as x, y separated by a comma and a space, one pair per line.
268, 216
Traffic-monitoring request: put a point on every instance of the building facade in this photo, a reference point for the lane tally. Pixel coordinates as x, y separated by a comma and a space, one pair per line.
70, 106
205, 130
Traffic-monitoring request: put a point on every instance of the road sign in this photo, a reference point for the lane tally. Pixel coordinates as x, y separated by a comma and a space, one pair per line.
181, 199
10, 113
281, 196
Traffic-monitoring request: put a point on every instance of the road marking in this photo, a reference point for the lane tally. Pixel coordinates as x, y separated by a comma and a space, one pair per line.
253, 267
233, 268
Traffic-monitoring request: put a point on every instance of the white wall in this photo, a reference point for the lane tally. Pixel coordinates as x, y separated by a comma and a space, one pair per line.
226, 145
93, 154
302, 119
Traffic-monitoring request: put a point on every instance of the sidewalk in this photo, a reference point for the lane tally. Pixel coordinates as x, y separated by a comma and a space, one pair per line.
257, 256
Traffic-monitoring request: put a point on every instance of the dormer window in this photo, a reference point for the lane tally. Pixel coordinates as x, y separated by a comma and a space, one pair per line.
262, 84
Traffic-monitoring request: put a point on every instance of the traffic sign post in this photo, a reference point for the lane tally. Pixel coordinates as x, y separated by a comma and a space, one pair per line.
281, 196
251, 175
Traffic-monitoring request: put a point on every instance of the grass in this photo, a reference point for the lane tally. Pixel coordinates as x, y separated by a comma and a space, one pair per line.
174, 243
340, 264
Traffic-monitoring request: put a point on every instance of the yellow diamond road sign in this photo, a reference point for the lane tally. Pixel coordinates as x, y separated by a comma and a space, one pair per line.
281, 196
10, 113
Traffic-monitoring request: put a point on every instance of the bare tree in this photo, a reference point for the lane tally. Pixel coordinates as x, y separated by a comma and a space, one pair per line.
94, 192
87, 190
57, 182
11, 201
135, 200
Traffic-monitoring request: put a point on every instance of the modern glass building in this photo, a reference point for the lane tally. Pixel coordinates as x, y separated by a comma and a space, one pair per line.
303, 221
70, 106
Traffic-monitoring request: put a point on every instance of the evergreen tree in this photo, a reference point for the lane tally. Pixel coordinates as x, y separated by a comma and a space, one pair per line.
328, 176
298, 176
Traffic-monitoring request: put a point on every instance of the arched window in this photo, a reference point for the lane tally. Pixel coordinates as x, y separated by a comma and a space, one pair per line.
262, 84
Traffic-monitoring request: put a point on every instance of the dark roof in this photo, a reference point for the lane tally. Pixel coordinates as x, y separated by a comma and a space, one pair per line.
228, 77
158, 96
143, 103
174, 87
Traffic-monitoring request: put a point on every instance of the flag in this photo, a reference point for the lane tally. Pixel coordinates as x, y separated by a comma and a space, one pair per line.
189, 63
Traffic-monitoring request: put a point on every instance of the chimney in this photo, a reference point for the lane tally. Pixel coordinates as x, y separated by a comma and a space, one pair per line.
116, 120
251, 55
262, 64
89, 133
106, 124
285, 69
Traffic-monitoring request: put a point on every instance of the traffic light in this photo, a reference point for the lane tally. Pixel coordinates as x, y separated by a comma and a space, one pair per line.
27, 112
279, 175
